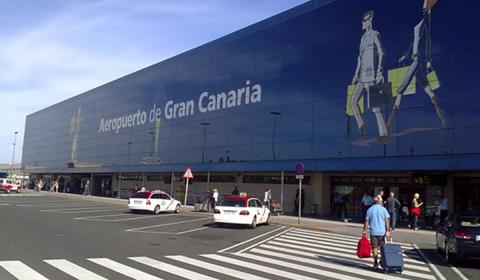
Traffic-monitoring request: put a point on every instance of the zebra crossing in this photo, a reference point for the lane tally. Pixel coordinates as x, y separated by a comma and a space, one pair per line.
296, 254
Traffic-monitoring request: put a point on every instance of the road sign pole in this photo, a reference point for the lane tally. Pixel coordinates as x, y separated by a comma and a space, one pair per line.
300, 170
299, 200
186, 192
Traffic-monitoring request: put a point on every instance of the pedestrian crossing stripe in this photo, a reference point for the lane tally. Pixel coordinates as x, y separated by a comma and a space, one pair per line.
74, 270
269, 270
123, 269
171, 268
286, 256
21, 271
217, 268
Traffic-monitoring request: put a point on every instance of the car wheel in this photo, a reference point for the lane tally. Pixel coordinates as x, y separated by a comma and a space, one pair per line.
156, 211
177, 209
267, 222
254, 222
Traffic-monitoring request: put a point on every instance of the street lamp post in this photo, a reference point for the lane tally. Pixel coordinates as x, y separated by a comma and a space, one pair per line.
14, 144
153, 142
275, 115
128, 152
204, 124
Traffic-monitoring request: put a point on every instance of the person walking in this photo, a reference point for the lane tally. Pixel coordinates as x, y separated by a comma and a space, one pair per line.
442, 208
267, 198
214, 199
392, 208
235, 191
366, 202
415, 211
378, 219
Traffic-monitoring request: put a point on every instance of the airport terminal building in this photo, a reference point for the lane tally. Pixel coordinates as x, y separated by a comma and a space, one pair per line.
369, 95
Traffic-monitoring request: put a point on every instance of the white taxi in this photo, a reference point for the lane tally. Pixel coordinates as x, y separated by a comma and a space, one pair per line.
153, 201
242, 210
8, 185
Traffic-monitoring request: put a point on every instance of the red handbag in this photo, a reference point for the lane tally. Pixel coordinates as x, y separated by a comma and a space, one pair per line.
415, 211
363, 248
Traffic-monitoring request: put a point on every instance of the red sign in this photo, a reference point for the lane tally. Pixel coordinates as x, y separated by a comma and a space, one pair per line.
188, 174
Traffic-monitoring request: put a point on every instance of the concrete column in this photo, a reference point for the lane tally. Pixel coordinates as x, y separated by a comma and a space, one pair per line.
449, 192
321, 193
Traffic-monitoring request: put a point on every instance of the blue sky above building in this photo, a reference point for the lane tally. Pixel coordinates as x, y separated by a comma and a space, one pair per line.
53, 50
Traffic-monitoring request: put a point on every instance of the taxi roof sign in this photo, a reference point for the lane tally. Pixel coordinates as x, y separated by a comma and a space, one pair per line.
188, 174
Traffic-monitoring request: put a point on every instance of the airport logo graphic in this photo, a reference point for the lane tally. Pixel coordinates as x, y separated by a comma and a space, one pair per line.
206, 103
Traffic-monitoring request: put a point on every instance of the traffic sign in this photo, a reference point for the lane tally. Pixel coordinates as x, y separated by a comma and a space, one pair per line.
188, 174
300, 168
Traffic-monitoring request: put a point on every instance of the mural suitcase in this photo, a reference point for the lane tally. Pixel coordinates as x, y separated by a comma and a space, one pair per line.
392, 258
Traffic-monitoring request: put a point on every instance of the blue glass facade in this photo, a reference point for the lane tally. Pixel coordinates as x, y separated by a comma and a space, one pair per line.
275, 93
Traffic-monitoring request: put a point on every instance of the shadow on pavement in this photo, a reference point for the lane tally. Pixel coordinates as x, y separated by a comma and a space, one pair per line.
437, 259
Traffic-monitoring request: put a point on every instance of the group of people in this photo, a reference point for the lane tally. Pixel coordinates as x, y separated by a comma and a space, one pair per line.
395, 209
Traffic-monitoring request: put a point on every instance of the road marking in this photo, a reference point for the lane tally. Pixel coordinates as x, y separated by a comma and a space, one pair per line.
73, 209
263, 241
247, 241
427, 260
74, 270
335, 248
101, 216
171, 269
345, 258
192, 230
123, 269
217, 268
122, 219
358, 271
94, 211
4, 204
21, 271
459, 273
338, 236
322, 238
50, 205
168, 224
277, 272
300, 250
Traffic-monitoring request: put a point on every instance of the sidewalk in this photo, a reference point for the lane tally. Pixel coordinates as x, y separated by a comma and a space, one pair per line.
351, 228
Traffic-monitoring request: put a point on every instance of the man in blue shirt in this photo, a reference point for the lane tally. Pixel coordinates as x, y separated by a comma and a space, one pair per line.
378, 219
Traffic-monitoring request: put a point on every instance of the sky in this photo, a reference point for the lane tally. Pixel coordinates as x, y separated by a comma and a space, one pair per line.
51, 50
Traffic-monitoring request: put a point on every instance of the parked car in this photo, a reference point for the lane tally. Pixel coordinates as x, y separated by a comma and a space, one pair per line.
153, 201
8, 185
242, 210
459, 236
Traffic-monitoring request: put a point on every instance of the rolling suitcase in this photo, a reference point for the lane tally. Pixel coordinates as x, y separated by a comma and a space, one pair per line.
392, 257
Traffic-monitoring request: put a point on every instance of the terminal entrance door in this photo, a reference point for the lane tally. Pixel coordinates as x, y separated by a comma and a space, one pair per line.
467, 194
102, 185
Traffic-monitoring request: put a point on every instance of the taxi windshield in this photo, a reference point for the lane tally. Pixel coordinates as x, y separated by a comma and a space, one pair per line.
232, 202
140, 195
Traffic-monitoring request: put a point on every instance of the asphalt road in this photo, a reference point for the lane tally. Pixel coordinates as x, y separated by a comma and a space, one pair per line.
44, 236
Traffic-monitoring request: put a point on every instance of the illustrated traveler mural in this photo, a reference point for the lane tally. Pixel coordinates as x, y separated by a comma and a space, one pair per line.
420, 71
368, 74
368, 85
